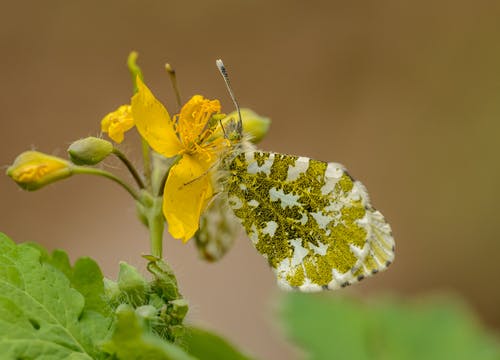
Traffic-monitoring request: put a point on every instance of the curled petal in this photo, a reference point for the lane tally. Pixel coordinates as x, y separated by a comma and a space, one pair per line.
153, 122
187, 192
118, 122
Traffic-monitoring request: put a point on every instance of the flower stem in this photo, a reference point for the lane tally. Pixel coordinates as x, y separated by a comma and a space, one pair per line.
147, 162
156, 225
108, 175
130, 167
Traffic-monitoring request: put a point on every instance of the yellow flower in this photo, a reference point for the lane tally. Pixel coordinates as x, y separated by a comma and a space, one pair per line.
188, 188
32, 170
116, 123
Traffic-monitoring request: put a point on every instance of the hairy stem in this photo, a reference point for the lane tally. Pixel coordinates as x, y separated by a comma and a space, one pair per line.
130, 167
108, 175
146, 157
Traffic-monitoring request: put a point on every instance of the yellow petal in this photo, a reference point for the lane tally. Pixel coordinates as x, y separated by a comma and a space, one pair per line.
187, 192
153, 122
118, 122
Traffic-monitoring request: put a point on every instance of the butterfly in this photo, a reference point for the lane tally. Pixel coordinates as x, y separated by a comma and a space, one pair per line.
310, 219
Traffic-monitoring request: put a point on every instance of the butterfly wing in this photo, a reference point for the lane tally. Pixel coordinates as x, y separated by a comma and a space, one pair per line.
310, 219
218, 230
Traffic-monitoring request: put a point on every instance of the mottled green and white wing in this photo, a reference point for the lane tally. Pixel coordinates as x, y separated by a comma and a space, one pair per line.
310, 219
218, 230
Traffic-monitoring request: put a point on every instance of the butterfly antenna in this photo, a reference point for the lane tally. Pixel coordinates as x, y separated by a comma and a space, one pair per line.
223, 72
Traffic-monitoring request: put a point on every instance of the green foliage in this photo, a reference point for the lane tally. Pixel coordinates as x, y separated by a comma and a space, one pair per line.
207, 345
51, 310
85, 277
337, 328
132, 340
41, 315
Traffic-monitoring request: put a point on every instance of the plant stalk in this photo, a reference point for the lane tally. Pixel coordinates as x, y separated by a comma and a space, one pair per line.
156, 226
108, 175
146, 156
129, 166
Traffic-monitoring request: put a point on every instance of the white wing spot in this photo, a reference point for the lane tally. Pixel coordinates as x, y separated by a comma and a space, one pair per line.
321, 220
254, 168
286, 199
304, 219
363, 193
300, 167
253, 203
299, 252
333, 174
320, 249
253, 234
334, 170
270, 228
235, 202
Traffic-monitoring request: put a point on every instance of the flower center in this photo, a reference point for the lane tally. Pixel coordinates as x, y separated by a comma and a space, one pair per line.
196, 124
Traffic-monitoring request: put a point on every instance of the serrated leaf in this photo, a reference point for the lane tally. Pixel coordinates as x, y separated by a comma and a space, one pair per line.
132, 340
41, 315
85, 276
206, 345
338, 328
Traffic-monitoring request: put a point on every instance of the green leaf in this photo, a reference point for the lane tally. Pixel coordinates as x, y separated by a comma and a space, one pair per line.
41, 315
85, 277
132, 283
132, 340
206, 346
337, 328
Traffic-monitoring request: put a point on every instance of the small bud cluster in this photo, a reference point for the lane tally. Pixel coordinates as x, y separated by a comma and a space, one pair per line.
157, 304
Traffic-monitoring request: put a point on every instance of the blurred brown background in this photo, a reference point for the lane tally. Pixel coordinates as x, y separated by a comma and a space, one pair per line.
405, 94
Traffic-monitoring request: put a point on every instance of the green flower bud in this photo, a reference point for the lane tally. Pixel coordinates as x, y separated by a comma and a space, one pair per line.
132, 283
253, 124
179, 310
89, 151
177, 331
156, 301
32, 170
147, 312
111, 290
124, 308
165, 283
